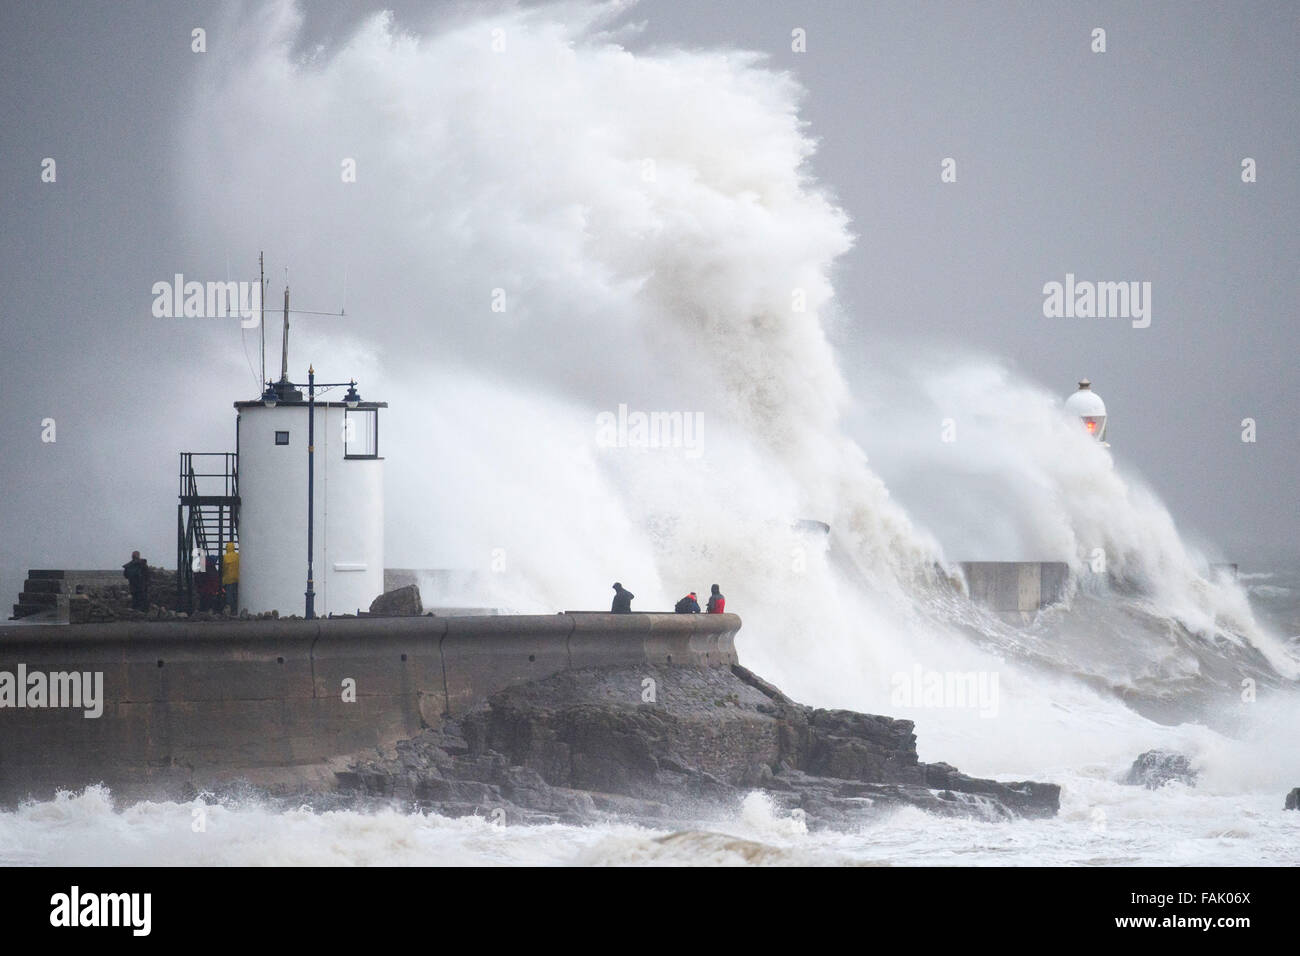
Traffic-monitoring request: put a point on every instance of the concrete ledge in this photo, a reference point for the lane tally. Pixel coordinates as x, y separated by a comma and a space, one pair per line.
482, 655
619, 639
1016, 590
677, 639
281, 702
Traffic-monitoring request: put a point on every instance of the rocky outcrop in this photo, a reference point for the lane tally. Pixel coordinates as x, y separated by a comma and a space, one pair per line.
401, 602
654, 743
1293, 799
1155, 768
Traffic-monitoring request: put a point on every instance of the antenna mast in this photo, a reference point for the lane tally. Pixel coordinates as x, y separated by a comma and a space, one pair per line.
261, 300
284, 342
284, 335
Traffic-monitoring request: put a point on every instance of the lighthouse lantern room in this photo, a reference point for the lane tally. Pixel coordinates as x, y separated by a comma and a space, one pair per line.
1090, 409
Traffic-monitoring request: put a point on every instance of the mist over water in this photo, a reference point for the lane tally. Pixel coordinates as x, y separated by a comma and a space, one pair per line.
652, 226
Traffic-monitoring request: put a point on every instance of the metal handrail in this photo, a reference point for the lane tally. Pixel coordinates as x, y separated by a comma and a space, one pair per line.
200, 527
190, 475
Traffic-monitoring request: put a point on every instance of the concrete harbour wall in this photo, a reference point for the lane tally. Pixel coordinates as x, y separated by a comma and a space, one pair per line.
202, 703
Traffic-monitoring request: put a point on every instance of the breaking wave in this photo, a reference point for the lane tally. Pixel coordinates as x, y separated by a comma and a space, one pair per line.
545, 226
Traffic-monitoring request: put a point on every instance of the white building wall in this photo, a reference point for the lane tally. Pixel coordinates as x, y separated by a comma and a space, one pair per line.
348, 549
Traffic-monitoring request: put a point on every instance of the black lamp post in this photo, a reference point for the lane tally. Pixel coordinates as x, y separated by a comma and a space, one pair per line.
273, 394
311, 487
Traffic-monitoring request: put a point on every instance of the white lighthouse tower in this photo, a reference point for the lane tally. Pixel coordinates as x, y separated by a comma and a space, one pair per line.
311, 490
347, 502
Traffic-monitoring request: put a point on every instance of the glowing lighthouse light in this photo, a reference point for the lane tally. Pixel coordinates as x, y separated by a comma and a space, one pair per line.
1091, 410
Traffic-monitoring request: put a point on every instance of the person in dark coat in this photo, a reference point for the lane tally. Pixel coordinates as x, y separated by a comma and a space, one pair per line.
622, 600
688, 605
717, 603
207, 584
136, 572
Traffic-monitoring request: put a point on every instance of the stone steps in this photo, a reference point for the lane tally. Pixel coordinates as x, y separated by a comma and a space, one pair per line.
46, 599
48, 591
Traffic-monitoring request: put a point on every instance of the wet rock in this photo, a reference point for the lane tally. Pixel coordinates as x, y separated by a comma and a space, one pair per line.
1155, 768
401, 602
439, 789
581, 746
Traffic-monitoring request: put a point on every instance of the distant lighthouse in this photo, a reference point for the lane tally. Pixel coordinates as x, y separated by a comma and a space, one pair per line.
1090, 409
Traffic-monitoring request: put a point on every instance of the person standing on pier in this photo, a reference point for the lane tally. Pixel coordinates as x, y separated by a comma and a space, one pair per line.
230, 576
136, 572
622, 600
688, 605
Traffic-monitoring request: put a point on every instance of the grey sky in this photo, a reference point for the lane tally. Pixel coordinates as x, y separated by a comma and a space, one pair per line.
1122, 165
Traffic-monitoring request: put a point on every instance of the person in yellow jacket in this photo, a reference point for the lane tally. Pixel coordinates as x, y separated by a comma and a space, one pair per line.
230, 576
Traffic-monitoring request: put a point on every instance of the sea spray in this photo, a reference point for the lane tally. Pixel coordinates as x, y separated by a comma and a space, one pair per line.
543, 229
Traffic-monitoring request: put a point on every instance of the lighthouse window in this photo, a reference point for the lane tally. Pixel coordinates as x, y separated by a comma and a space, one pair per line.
361, 433
282, 438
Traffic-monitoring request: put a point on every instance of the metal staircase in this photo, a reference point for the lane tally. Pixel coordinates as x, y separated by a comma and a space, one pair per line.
207, 515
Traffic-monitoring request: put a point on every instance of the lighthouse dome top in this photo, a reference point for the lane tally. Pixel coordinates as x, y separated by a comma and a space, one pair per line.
1085, 402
